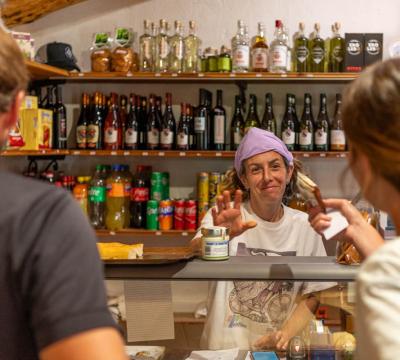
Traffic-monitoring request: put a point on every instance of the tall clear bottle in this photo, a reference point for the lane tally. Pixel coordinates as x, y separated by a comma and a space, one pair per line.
301, 52
321, 129
317, 51
338, 138
176, 49
306, 126
146, 61
278, 52
288, 126
337, 50
192, 44
162, 48
259, 51
252, 119
241, 49
237, 124
97, 197
269, 122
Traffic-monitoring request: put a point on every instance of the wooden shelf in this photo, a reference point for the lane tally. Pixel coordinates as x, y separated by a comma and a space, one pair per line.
49, 152
41, 71
141, 232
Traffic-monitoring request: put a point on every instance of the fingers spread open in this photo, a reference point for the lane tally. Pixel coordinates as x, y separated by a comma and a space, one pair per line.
238, 199
227, 199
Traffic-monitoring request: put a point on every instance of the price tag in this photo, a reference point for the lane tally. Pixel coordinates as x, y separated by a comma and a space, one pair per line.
182, 153
218, 154
309, 75
76, 152
258, 75
174, 75
145, 153
92, 153
126, 153
113, 153
322, 155
161, 153
81, 74
129, 74
157, 74
112, 233
198, 154
43, 152
283, 75
200, 74
185, 233
158, 233
343, 155
232, 75
306, 155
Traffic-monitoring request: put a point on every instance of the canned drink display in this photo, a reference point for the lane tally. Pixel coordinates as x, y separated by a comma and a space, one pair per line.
156, 191
202, 210
215, 243
165, 185
179, 214
152, 215
203, 187
214, 187
165, 215
190, 215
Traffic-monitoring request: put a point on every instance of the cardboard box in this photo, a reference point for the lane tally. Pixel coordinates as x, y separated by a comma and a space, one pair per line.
26, 43
354, 55
36, 128
373, 48
29, 102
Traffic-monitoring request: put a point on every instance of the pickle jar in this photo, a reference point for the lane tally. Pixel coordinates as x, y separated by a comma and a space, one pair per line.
215, 243
225, 60
204, 60
213, 60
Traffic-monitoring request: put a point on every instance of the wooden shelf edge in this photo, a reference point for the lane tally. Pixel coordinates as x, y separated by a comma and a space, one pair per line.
42, 71
102, 233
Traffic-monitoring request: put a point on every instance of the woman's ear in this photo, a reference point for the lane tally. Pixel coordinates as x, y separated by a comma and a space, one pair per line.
244, 181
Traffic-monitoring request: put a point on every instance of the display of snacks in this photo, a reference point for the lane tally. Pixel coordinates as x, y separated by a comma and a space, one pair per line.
119, 251
122, 57
100, 53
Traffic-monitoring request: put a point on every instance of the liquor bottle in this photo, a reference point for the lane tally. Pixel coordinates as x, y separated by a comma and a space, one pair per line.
269, 122
292, 104
240, 49
338, 138
288, 130
337, 50
218, 124
317, 51
168, 126
252, 119
286, 40
158, 106
146, 62
113, 126
201, 128
321, 128
59, 122
162, 48
259, 51
50, 101
176, 46
190, 120
182, 136
278, 51
123, 113
131, 126
141, 104
81, 126
301, 52
306, 126
153, 126
192, 44
237, 124
154, 33
94, 134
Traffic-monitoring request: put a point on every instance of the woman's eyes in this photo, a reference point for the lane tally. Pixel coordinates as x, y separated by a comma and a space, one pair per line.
255, 170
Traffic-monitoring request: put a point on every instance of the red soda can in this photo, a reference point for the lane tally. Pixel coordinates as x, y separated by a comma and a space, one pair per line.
190, 215
179, 214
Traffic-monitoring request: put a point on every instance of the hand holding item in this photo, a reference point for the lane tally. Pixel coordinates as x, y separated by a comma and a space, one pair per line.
230, 217
276, 340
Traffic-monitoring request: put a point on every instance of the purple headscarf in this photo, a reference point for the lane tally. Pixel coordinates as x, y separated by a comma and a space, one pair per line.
258, 141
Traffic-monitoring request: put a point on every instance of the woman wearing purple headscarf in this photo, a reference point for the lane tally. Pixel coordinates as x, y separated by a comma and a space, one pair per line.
261, 314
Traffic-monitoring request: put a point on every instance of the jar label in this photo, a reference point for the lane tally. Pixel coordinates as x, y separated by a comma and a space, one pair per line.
215, 248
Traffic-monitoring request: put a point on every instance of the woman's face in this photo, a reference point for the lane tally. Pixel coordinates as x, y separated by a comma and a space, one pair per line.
266, 177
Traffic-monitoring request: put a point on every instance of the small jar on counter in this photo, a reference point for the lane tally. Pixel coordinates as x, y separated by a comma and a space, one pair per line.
215, 243
225, 60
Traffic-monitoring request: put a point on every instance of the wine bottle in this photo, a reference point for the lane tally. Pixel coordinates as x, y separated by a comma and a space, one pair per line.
317, 51
269, 122
153, 126
131, 126
218, 124
338, 138
59, 122
182, 137
306, 126
82, 124
201, 128
321, 130
252, 119
168, 126
288, 131
237, 124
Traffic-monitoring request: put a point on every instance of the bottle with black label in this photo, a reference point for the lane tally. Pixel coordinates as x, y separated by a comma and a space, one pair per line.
182, 136
168, 126
269, 122
317, 51
153, 126
141, 105
83, 121
237, 124
201, 128
131, 126
94, 133
306, 126
252, 119
59, 122
321, 130
288, 130
219, 124
338, 138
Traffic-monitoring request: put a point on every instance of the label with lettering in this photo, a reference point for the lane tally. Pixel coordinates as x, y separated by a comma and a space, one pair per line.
111, 135
199, 124
241, 56
259, 58
219, 129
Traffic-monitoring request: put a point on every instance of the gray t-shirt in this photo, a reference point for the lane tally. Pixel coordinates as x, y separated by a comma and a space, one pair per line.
51, 277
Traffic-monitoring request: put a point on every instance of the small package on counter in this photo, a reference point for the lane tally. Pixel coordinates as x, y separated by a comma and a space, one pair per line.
100, 57
145, 352
123, 58
26, 43
36, 127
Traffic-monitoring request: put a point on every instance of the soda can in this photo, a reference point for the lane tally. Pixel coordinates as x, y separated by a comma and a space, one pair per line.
156, 191
202, 187
214, 187
165, 214
179, 214
152, 215
202, 210
190, 215
165, 185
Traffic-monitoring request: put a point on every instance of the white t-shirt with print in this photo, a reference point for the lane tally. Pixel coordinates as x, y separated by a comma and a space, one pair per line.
239, 312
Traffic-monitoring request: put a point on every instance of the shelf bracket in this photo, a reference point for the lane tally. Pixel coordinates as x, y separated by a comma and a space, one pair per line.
242, 85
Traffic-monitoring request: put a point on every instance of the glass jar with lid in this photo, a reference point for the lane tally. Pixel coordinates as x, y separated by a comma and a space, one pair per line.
225, 60
215, 243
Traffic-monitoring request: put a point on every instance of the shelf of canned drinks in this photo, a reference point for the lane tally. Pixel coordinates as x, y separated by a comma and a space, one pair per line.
162, 153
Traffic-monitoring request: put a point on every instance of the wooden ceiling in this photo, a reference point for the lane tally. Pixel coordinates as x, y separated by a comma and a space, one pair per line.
17, 12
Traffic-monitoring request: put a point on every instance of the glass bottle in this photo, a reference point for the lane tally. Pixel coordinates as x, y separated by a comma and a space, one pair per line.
168, 126
288, 128
153, 126
306, 126
269, 122
237, 124
292, 103
139, 197
213, 60
154, 33
218, 124
201, 128
182, 137
176, 45
162, 48
141, 104
192, 45
286, 40
94, 134
115, 200
131, 126
317, 51
145, 52
224, 60
240, 49
97, 197
278, 56
80, 193
259, 51
123, 113
337, 50
59, 122
113, 126
252, 119
338, 138
190, 120
81, 126
301, 52
321, 128
127, 179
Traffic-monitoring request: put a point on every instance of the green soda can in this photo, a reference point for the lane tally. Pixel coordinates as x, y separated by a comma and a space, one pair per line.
156, 191
152, 215
165, 185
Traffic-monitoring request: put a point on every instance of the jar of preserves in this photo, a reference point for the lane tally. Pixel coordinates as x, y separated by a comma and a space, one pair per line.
215, 243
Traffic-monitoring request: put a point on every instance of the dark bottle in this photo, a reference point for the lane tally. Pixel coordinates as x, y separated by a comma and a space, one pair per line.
306, 126
190, 121
252, 119
94, 133
104, 103
269, 122
50, 99
123, 113
182, 136
59, 122
237, 124
201, 128
338, 138
158, 106
141, 104
321, 128
82, 124
131, 126
113, 126
219, 124
292, 104
168, 126
288, 127
153, 126
139, 198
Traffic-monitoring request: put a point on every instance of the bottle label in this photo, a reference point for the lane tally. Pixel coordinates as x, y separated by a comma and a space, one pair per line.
305, 138
81, 135
178, 50
182, 139
302, 54
241, 56
127, 189
115, 190
237, 137
279, 55
219, 129
288, 137
163, 48
224, 64
97, 194
167, 137
92, 135
259, 58
111, 135
338, 140
338, 53
321, 137
146, 48
131, 136
153, 137
317, 54
199, 124
139, 194
62, 134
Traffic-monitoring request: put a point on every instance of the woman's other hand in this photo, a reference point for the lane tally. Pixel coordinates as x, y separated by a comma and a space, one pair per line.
277, 340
